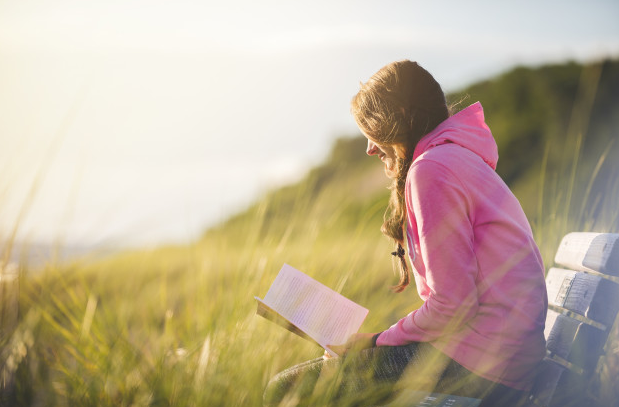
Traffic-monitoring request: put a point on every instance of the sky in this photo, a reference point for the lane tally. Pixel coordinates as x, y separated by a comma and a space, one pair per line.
139, 123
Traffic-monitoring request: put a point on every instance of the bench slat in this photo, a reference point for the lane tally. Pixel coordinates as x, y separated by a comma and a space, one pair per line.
560, 333
579, 338
590, 251
576, 316
571, 289
589, 295
583, 304
578, 344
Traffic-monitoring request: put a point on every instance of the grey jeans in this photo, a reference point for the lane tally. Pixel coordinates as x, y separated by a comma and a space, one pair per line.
374, 376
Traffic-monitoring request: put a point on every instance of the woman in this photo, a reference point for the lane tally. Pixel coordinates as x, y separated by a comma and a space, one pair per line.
474, 260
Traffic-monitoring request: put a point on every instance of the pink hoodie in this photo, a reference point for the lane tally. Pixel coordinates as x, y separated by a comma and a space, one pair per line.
475, 262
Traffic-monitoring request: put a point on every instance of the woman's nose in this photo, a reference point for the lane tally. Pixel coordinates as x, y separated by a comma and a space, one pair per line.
372, 148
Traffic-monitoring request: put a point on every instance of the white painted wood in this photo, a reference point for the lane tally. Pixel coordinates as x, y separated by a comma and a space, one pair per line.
590, 301
571, 289
560, 336
590, 252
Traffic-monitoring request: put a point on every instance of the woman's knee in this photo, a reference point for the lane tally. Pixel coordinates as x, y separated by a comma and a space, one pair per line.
295, 382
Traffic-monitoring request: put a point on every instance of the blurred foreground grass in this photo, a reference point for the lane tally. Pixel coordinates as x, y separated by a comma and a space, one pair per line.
176, 326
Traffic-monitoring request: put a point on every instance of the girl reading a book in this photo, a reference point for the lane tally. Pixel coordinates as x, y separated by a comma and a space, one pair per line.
479, 332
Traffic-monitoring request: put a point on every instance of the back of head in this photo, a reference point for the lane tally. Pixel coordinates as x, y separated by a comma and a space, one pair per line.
400, 103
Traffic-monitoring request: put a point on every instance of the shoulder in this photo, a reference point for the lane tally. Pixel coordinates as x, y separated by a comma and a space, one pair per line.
430, 177
440, 162
452, 160
439, 173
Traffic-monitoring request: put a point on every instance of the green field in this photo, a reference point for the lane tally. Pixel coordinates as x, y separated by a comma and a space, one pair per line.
176, 326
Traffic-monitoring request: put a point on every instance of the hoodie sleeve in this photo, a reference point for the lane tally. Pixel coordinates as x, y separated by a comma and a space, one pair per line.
440, 206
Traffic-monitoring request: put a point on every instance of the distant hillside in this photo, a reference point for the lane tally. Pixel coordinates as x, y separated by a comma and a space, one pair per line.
553, 125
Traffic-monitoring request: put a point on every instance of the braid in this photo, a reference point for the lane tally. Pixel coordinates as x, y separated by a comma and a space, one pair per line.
395, 220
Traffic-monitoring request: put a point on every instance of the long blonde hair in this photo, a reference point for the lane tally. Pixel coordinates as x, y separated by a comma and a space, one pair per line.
399, 104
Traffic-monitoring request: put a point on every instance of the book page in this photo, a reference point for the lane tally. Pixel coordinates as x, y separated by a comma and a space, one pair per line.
323, 314
268, 313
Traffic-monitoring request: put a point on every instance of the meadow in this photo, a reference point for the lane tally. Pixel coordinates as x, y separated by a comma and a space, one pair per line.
176, 325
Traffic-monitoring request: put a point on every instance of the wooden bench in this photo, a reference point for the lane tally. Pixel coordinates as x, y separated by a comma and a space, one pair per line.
583, 301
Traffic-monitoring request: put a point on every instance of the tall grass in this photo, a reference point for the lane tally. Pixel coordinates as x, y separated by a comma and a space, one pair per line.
176, 326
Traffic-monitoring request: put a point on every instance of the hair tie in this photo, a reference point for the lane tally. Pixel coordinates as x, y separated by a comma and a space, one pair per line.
400, 252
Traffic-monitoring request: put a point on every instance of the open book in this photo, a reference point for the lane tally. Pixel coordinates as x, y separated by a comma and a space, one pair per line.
310, 309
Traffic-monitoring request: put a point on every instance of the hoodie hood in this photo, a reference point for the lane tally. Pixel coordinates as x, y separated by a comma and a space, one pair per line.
468, 129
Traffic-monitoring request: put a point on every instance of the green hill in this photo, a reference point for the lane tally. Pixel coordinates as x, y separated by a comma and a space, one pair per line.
557, 130
176, 326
